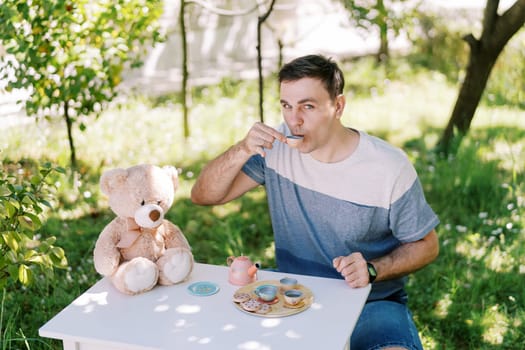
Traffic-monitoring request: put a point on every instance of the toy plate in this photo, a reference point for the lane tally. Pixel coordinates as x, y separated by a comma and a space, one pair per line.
278, 308
203, 288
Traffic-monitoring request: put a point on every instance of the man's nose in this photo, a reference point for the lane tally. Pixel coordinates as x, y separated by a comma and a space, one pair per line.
296, 117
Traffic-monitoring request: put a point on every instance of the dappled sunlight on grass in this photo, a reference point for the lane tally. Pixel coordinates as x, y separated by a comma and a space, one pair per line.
500, 260
74, 213
479, 196
471, 247
502, 116
496, 324
269, 252
429, 342
488, 250
402, 111
512, 155
221, 211
442, 307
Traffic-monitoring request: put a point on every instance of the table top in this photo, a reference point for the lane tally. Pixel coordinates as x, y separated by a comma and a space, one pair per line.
170, 317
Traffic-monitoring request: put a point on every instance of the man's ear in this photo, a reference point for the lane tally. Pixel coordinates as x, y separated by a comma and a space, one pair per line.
340, 103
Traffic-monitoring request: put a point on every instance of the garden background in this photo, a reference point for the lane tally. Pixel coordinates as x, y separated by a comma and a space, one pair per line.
52, 211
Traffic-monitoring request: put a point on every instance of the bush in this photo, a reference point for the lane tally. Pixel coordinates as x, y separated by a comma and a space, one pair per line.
22, 247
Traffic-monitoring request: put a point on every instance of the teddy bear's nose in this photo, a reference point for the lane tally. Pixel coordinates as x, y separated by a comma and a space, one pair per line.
154, 215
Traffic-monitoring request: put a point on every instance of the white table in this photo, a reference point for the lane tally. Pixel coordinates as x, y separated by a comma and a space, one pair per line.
172, 318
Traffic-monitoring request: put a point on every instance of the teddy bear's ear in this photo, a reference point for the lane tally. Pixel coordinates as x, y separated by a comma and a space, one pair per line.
173, 174
112, 179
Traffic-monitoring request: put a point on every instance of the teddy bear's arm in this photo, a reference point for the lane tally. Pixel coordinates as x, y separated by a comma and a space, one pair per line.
106, 255
174, 237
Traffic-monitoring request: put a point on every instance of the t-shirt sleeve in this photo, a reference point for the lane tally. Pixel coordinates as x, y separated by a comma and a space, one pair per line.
411, 217
255, 168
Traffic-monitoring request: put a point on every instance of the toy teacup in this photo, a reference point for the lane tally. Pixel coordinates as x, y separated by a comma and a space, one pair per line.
293, 296
287, 283
266, 292
293, 140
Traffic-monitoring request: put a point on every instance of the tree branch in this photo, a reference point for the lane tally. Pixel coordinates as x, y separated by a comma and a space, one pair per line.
490, 16
265, 16
510, 21
472, 42
223, 12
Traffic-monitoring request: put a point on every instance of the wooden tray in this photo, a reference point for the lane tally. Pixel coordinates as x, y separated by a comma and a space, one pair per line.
279, 307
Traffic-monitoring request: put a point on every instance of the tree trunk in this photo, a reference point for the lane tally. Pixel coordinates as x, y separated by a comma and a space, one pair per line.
185, 96
259, 70
497, 31
260, 21
69, 125
383, 53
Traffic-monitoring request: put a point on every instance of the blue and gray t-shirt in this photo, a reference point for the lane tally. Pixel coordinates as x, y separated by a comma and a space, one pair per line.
370, 202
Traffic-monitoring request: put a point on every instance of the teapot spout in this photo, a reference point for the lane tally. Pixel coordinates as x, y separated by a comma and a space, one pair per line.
252, 270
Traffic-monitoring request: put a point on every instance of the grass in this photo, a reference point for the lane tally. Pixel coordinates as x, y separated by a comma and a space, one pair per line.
472, 297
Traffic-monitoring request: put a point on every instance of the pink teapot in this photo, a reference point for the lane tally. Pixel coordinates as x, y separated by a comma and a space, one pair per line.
242, 270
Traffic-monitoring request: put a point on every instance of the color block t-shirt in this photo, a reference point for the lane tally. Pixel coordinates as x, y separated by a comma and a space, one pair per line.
370, 202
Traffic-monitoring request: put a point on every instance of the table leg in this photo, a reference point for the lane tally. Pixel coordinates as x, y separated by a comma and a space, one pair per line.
70, 345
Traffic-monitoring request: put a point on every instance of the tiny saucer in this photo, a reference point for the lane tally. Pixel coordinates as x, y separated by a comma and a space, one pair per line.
296, 306
203, 288
270, 302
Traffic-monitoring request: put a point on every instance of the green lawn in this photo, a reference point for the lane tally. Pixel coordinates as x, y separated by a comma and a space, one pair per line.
472, 297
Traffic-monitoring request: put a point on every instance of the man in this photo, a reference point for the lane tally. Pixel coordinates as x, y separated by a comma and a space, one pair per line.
343, 204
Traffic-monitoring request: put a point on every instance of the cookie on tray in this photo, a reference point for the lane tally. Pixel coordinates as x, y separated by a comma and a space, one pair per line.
251, 305
240, 297
264, 309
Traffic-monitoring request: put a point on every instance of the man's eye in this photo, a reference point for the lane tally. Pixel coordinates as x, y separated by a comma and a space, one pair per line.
308, 107
285, 105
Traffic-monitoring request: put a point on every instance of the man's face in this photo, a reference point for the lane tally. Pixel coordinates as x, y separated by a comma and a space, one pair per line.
309, 111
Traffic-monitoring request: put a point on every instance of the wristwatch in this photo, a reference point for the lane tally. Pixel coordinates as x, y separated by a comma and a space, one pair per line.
372, 273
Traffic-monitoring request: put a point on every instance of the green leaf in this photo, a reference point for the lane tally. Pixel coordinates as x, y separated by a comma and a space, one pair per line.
25, 274
26, 223
11, 240
35, 180
37, 259
60, 170
35, 220
46, 203
10, 209
4, 191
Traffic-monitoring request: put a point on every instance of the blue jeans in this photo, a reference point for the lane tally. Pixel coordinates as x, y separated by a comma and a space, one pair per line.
386, 322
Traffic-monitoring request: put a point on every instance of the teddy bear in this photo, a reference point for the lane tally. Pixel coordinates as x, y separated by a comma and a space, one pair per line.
139, 248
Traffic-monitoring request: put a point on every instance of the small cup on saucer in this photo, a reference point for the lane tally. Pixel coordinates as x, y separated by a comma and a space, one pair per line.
293, 296
287, 283
266, 292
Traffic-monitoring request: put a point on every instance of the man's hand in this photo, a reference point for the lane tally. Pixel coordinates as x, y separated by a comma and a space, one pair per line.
222, 180
405, 259
260, 137
353, 268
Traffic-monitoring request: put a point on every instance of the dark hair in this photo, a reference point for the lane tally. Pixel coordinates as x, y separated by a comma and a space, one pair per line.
315, 66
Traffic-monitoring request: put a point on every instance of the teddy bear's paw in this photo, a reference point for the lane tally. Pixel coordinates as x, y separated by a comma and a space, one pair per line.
137, 276
175, 265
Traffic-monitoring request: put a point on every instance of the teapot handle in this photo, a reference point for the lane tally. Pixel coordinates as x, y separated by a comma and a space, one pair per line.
229, 260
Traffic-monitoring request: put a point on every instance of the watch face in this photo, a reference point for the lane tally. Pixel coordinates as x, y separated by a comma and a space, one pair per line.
371, 272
